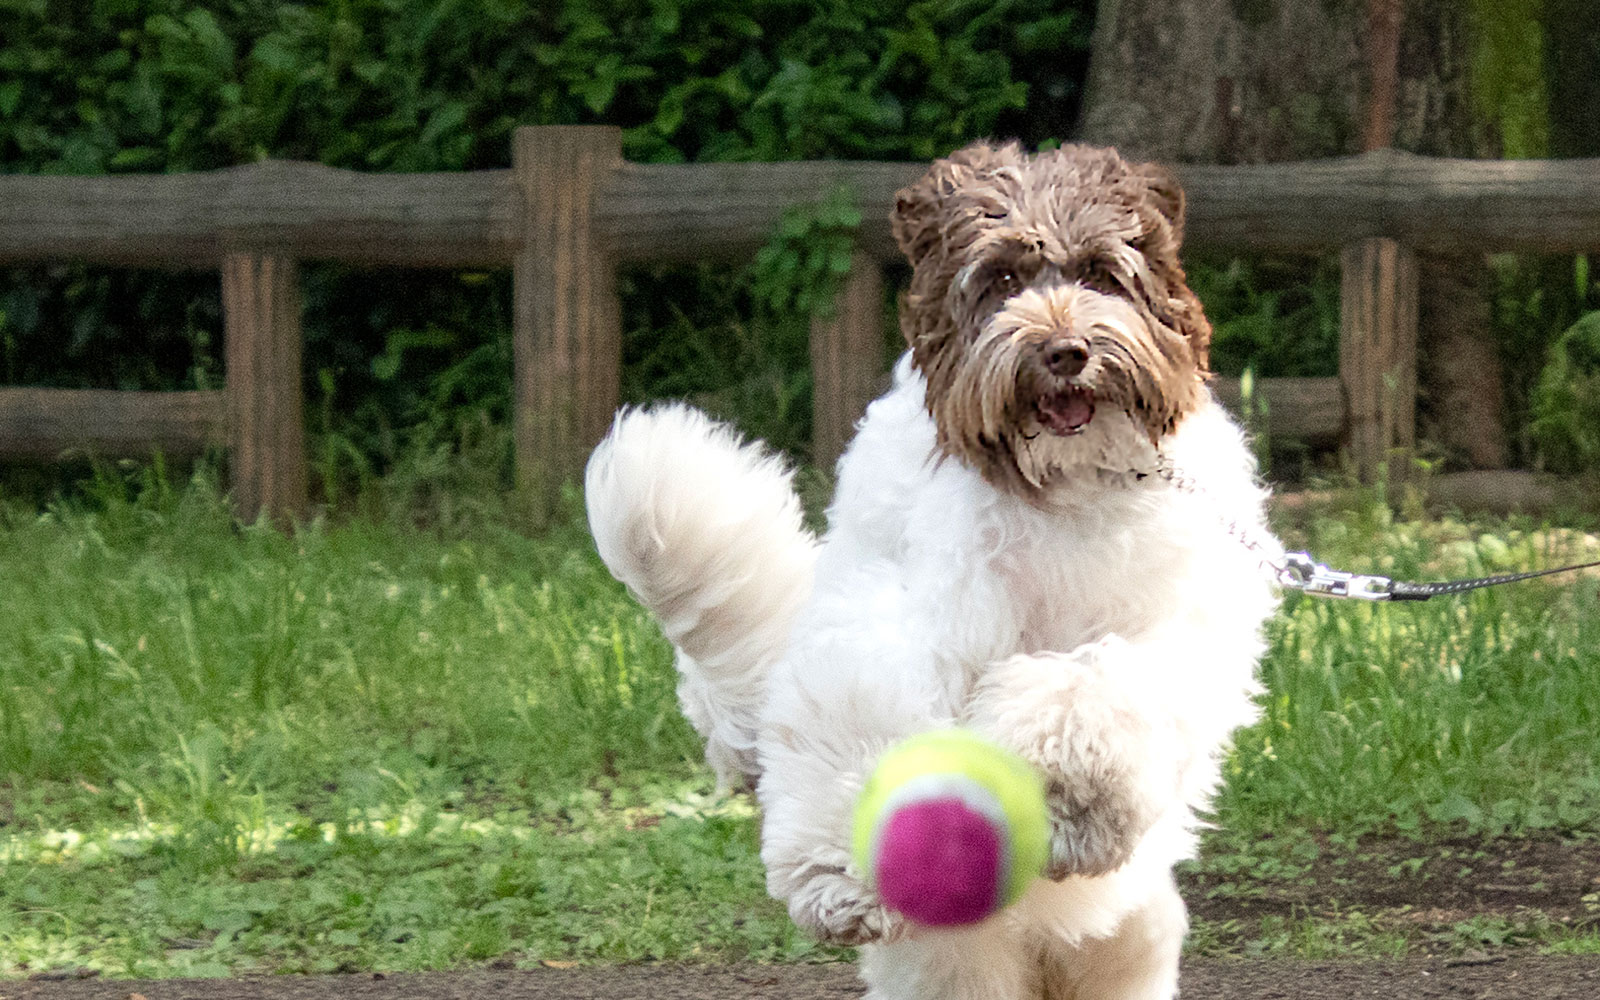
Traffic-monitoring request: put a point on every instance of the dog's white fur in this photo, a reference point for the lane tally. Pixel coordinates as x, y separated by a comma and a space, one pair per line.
1106, 629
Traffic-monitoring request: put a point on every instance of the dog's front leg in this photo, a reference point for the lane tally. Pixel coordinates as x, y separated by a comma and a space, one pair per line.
808, 790
1107, 738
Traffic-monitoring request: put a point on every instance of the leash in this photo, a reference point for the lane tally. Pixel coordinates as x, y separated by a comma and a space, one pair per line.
1298, 571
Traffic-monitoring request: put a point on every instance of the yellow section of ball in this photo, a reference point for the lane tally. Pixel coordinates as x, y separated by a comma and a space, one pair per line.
1014, 783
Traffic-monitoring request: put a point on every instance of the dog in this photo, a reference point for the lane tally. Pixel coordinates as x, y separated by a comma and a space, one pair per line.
1047, 531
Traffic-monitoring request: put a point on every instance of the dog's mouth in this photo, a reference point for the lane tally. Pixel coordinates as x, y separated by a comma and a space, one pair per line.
1066, 411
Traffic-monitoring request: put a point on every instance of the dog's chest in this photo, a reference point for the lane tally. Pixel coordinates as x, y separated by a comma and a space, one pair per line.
1065, 579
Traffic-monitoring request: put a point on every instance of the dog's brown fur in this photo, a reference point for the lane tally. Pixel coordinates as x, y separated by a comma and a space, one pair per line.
1015, 254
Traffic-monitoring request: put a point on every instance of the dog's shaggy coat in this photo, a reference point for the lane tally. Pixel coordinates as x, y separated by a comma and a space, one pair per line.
1036, 534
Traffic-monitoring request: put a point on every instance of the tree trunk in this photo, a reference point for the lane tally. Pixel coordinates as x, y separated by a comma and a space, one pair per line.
1225, 81
1460, 384
1253, 81
1571, 54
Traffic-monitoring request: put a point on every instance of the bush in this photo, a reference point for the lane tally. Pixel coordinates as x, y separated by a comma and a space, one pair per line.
111, 86
1566, 402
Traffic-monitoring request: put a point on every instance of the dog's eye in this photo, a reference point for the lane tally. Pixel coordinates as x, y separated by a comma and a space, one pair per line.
1007, 283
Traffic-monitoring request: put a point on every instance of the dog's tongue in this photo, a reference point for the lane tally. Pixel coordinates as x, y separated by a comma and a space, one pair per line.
1066, 412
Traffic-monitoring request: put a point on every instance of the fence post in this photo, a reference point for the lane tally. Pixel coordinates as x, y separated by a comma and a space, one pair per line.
1378, 353
265, 397
846, 359
567, 327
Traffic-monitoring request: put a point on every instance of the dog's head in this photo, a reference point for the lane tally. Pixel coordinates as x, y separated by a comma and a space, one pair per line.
1048, 311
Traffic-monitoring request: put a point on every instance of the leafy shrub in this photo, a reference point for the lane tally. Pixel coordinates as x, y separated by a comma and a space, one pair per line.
1566, 402
113, 86
1537, 299
97, 86
1273, 317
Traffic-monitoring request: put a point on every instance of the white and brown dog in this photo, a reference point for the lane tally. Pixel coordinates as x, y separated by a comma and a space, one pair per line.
999, 556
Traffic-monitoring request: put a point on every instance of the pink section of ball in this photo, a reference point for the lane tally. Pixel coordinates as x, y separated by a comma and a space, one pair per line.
939, 863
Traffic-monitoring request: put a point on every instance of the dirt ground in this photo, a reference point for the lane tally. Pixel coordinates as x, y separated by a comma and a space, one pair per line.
1422, 889
1425, 889
1517, 977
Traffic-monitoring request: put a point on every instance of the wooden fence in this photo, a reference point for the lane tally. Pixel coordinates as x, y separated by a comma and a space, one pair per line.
571, 210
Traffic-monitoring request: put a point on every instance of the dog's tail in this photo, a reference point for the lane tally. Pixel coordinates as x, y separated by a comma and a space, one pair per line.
706, 531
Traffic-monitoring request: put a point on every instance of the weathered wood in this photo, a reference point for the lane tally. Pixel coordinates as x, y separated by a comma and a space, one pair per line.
261, 355
1300, 409
567, 327
1508, 491
304, 211
46, 424
847, 360
1481, 491
1378, 353
687, 212
721, 210
1535, 205
704, 211
1384, 18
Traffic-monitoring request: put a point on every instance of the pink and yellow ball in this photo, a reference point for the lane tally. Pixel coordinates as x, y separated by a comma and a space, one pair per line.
951, 828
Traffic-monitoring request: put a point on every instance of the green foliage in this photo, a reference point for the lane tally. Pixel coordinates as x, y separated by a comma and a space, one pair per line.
744, 352
98, 86
657, 869
801, 267
1508, 76
1566, 402
1466, 712
1275, 317
361, 653
1536, 300
113, 86
369, 746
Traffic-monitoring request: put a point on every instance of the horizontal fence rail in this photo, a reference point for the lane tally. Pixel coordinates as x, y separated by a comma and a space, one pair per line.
691, 211
39, 423
298, 210
571, 209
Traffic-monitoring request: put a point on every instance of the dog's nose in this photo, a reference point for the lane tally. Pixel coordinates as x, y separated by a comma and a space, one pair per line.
1065, 358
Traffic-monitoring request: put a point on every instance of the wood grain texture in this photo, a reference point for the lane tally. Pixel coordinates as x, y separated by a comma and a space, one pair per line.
847, 360
266, 403
675, 212
301, 210
567, 328
1378, 353
48, 424
695, 211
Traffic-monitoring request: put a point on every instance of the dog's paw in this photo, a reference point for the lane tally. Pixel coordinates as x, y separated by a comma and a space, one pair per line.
836, 908
1095, 828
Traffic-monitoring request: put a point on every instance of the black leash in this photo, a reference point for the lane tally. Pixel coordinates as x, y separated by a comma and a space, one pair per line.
1300, 572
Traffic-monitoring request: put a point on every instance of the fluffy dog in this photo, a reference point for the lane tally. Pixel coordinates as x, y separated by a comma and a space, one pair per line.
1038, 533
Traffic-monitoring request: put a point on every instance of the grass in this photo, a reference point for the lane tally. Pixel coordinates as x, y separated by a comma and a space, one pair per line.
1477, 710
165, 655
425, 887
373, 745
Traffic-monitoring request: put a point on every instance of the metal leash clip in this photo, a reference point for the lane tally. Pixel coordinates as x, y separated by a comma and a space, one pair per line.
1300, 572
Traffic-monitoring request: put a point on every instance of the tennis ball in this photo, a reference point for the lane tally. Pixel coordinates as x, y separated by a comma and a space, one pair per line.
951, 828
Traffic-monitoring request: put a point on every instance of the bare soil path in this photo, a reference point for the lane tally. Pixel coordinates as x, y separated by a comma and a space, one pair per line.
1514, 977
1422, 891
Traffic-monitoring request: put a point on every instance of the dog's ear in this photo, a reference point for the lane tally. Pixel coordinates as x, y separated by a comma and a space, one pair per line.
1164, 191
921, 213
